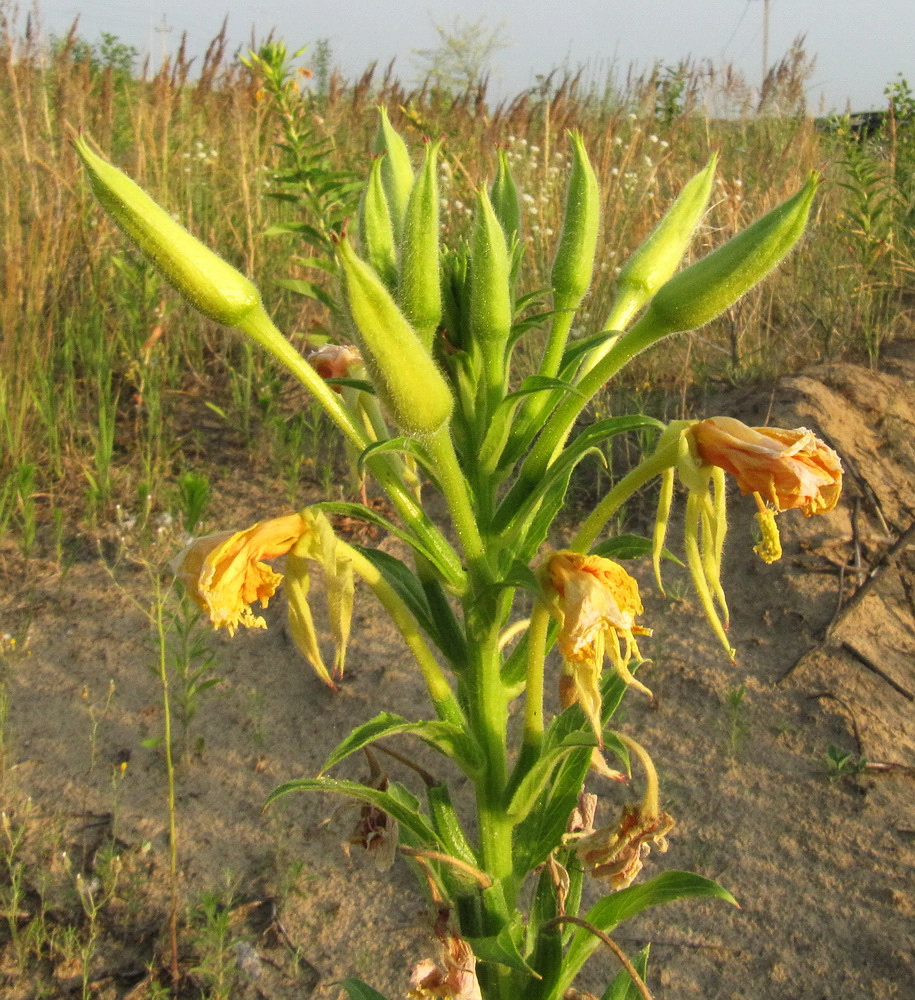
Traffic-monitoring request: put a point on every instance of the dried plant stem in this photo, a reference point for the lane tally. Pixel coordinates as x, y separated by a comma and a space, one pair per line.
162, 669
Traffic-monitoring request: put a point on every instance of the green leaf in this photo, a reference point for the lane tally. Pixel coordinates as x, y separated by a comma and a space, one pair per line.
416, 543
309, 289
630, 547
353, 383
358, 990
522, 502
406, 584
502, 949
406, 814
443, 736
543, 383
533, 783
627, 903
622, 987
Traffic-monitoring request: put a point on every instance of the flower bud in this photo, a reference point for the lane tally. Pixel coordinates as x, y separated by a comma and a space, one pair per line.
376, 227
490, 285
704, 290
396, 171
405, 377
657, 258
420, 291
505, 201
574, 261
208, 282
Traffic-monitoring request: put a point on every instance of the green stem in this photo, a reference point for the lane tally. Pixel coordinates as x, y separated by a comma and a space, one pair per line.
437, 684
560, 424
454, 487
533, 693
258, 325
646, 470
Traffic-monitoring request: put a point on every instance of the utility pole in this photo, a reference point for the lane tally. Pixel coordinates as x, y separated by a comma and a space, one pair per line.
163, 29
765, 43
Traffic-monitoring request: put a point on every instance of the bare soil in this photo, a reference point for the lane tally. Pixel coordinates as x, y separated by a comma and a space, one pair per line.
823, 868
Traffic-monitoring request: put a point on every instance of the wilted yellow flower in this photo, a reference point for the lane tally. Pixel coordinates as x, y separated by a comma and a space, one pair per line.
617, 852
789, 468
596, 602
456, 981
225, 575
335, 361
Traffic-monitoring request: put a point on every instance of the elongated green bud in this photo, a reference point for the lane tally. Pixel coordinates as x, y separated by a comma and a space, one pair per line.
396, 170
490, 289
376, 227
505, 200
658, 257
405, 377
208, 282
574, 261
420, 292
704, 290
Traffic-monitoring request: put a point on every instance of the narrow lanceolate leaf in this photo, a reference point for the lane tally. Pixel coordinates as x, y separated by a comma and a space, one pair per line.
444, 736
356, 989
406, 815
627, 903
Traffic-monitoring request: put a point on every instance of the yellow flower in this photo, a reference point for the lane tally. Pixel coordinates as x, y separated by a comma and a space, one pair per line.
789, 468
224, 573
596, 602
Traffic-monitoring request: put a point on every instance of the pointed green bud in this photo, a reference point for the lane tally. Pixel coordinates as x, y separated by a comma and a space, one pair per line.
574, 261
505, 200
420, 292
658, 257
208, 282
396, 170
490, 286
405, 377
705, 289
376, 227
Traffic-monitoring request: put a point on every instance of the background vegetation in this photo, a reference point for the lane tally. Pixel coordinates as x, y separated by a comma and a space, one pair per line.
111, 388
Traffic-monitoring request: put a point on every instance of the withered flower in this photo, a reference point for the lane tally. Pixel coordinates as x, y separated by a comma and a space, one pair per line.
224, 573
596, 602
617, 852
335, 361
457, 980
788, 468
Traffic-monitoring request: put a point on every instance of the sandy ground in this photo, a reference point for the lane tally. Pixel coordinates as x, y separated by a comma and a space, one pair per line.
823, 869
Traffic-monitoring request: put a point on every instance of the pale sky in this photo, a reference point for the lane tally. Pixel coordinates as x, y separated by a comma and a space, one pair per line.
860, 45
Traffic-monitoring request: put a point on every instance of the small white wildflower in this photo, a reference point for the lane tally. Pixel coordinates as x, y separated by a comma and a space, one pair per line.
652, 137
664, 144
534, 150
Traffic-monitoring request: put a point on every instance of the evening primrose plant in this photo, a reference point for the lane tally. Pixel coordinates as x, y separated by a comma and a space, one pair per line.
423, 390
